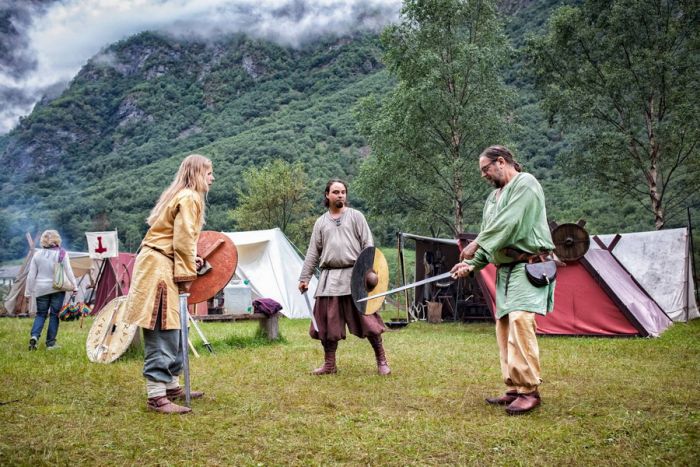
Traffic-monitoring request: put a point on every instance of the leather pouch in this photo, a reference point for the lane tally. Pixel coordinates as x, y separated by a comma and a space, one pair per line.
541, 274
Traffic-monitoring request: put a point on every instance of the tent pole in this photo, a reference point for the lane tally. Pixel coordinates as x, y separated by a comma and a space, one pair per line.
93, 294
399, 237
692, 263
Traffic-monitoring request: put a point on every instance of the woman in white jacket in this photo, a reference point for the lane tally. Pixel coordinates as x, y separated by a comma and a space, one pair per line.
40, 287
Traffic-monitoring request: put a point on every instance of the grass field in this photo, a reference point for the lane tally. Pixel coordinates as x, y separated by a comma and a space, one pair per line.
605, 401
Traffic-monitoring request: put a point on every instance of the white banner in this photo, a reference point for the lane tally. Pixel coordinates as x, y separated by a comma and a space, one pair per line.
102, 244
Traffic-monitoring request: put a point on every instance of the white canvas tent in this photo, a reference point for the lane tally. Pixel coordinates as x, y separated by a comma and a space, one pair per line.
272, 265
661, 262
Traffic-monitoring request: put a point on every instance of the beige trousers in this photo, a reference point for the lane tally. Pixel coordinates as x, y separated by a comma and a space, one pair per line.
519, 352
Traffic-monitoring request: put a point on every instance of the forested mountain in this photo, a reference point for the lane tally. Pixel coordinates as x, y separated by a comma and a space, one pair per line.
97, 156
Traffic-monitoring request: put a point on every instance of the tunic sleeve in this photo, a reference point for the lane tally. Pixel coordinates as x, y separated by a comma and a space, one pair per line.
364, 234
313, 253
185, 233
31, 277
512, 221
479, 261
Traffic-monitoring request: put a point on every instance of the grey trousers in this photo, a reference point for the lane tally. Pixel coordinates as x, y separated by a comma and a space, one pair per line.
163, 353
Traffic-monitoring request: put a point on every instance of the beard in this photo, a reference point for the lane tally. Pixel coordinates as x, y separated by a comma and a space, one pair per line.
338, 204
497, 183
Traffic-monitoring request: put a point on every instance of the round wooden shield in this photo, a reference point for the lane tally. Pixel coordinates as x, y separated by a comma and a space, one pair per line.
219, 251
110, 336
370, 275
571, 242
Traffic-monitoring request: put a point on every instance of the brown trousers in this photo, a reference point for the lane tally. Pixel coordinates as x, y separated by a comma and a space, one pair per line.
334, 313
519, 352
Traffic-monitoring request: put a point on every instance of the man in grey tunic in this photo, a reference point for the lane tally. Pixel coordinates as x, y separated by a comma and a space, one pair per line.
338, 237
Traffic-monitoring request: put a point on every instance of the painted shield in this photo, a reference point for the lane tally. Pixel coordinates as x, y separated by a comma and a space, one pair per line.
221, 257
370, 275
110, 336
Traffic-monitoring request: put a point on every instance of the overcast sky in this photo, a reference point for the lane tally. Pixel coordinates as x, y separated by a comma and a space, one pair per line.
43, 43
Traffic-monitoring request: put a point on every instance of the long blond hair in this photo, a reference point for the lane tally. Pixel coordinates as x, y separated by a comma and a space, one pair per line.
192, 174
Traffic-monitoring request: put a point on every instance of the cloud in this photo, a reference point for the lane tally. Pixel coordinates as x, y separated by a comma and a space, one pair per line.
46, 42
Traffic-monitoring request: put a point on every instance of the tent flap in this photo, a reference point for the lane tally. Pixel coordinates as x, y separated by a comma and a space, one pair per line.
660, 261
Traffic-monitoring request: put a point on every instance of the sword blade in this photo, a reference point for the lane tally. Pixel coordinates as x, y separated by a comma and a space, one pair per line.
185, 339
408, 286
311, 311
201, 334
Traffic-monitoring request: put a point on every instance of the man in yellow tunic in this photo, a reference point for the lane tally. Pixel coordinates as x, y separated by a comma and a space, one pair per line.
514, 223
167, 265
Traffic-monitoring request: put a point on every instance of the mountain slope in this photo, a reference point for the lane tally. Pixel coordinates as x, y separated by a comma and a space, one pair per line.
97, 156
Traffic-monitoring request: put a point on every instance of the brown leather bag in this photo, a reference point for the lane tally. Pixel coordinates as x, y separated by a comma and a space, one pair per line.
541, 274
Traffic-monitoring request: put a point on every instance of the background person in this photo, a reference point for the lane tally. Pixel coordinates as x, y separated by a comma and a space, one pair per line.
514, 230
338, 238
39, 287
165, 266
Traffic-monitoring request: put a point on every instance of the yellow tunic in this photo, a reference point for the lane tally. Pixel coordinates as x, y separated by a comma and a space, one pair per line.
167, 256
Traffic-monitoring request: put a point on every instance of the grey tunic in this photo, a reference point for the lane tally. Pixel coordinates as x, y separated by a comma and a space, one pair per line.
334, 247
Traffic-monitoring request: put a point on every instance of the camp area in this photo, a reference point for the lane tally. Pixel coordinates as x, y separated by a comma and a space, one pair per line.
632, 284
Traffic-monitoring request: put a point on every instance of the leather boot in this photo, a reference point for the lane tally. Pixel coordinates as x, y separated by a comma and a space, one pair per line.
163, 405
382, 365
179, 394
524, 403
328, 367
505, 399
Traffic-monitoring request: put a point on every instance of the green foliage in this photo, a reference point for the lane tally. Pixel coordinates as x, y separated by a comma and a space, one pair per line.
448, 105
98, 156
623, 75
275, 195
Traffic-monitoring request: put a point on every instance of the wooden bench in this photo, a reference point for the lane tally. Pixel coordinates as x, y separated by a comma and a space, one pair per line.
269, 325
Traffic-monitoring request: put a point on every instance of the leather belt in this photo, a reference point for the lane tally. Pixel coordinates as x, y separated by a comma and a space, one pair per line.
520, 256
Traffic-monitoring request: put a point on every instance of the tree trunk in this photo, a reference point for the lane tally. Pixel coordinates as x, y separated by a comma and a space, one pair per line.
655, 197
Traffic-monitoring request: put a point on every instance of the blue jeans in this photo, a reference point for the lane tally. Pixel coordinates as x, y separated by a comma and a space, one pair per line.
48, 304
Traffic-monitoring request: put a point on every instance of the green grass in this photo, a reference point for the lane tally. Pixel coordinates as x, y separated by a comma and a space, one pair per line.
606, 401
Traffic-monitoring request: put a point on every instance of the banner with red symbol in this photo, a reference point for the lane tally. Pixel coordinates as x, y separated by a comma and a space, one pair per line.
102, 244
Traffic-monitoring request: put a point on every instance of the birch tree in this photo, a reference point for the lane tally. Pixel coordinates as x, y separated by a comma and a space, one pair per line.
622, 77
449, 104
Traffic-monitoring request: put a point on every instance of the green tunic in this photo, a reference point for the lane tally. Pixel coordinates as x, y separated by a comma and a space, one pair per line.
516, 219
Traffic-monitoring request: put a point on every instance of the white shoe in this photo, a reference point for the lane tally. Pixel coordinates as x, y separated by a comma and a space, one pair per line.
53, 347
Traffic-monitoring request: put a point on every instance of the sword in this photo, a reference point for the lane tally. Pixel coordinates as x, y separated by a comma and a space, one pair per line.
311, 311
409, 286
184, 314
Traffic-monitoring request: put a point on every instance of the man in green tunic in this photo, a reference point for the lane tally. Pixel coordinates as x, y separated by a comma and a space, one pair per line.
514, 230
